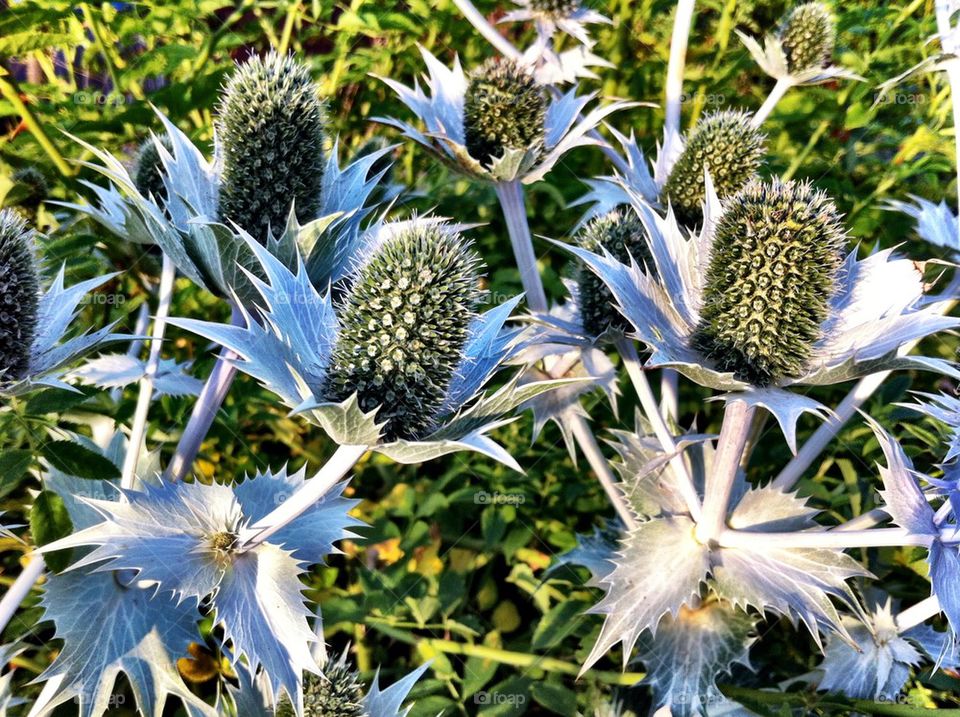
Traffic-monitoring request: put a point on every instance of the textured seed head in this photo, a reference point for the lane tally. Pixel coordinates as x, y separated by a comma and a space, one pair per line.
723, 143
339, 693
773, 271
19, 296
504, 108
271, 130
555, 8
807, 36
404, 323
622, 234
35, 186
148, 175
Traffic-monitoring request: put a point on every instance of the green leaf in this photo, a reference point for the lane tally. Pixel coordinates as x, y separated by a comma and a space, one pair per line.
54, 401
477, 673
49, 521
557, 624
75, 460
555, 697
13, 465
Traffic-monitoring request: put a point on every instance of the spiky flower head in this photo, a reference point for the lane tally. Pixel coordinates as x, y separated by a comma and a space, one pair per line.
621, 233
19, 295
555, 8
271, 133
807, 36
148, 173
723, 143
338, 693
403, 327
34, 185
504, 108
773, 269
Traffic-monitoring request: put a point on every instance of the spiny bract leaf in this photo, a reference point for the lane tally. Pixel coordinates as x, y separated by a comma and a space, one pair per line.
108, 629
691, 651
184, 537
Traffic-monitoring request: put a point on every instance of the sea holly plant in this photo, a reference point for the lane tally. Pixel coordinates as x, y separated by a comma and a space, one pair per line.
800, 52
185, 539
34, 348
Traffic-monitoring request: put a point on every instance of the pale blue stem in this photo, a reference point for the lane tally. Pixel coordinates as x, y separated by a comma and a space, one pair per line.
306, 497
208, 404
831, 539
737, 419
138, 428
514, 209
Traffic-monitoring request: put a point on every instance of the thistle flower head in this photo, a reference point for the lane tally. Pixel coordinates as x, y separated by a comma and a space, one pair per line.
504, 109
772, 272
404, 325
338, 693
19, 296
555, 8
723, 143
148, 173
621, 233
34, 185
271, 133
807, 36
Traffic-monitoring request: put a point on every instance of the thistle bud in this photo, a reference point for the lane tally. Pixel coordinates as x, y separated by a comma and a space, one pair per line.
339, 693
621, 233
19, 296
555, 8
807, 37
723, 143
148, 174
404, 323
776, 254
504, 108
34, 189
271, 132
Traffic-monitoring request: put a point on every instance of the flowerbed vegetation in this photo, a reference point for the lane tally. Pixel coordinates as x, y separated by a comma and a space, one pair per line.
437, 358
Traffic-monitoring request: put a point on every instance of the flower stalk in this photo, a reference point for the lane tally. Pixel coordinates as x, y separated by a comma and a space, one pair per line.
168, 274
682, 20
918, 614
831, 539
648, 403
340, 463
773, 99
205, 410
511, 198
737, 420
19, 590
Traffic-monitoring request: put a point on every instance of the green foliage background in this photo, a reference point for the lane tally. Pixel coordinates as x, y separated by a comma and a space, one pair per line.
442, 573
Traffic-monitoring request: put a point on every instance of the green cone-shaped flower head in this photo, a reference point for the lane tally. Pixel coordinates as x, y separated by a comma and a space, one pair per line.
504, 108
622, 234
339, 693
148, 173
19, 295
34, 188
807, 36
773, 270
555, 8
403, 327
723, 143
271, 133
